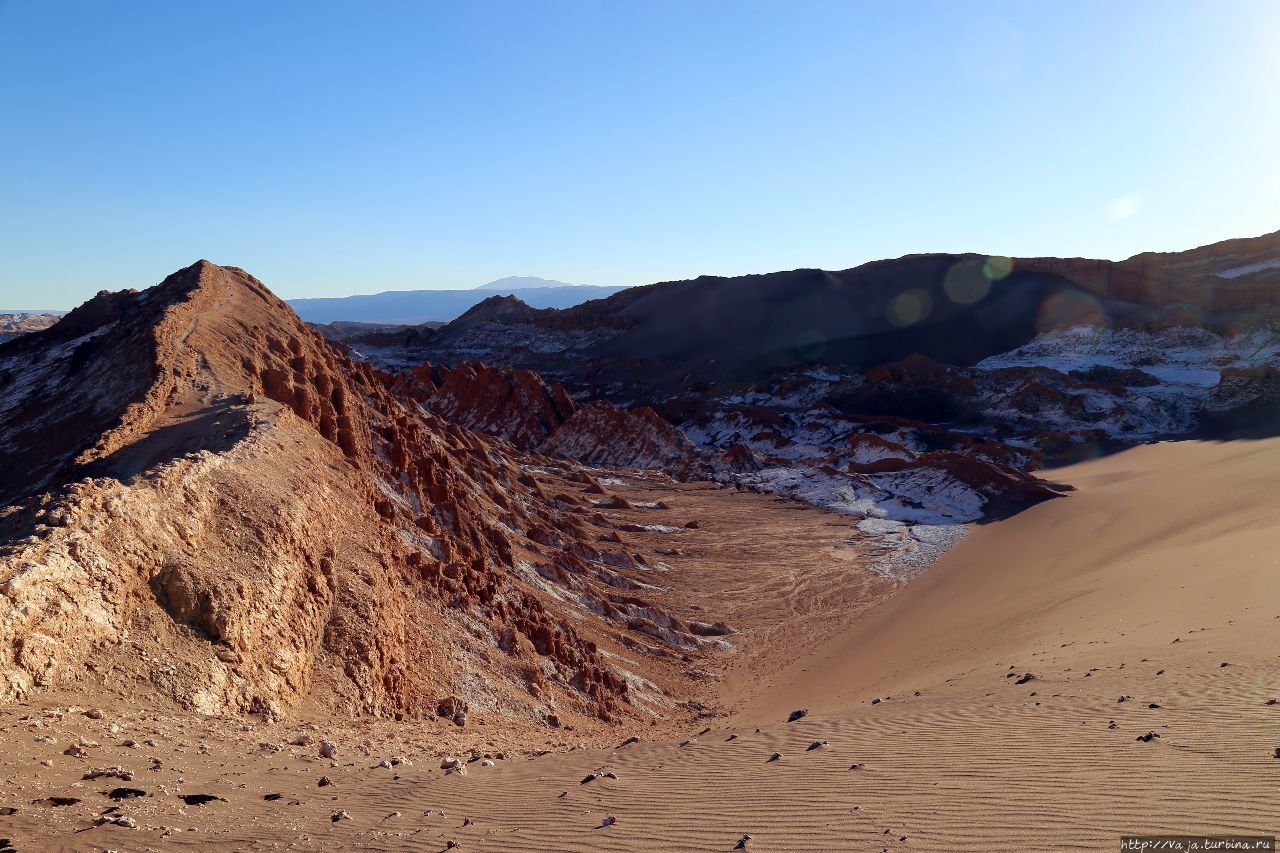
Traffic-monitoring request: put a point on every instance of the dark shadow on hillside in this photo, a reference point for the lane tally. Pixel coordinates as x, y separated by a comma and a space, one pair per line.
216, 429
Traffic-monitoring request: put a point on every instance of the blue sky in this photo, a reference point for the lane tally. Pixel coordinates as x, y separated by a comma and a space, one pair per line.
351, 148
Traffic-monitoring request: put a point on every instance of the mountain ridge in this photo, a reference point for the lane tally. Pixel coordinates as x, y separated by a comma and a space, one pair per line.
170, 452
414, 307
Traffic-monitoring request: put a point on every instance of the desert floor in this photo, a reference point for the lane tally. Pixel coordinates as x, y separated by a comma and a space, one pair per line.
995, 703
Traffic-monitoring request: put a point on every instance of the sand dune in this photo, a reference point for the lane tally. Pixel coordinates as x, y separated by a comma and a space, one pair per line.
1140, 585
1158, 540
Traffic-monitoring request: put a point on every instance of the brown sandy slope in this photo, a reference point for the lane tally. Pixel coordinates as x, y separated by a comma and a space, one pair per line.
1140, 585
1159, 570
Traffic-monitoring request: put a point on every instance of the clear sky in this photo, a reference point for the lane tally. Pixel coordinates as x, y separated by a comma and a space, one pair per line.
336, 148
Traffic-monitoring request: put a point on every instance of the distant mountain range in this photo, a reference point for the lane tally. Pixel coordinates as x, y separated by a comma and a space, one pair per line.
529, 282
413, 307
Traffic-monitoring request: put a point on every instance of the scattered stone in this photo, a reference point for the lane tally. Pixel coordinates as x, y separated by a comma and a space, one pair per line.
817, 744
1277, 752
629, 741
118, 820
328, 749
1153, 706
799, 714
303, 739
453, 709
1148, 737
777, 756
590, 777
324, 782
273, 797
110, 773
875, 701
608, 821
1025, 678
742, 842
857, 766
93, 714
76, 751
341, 815
488, 762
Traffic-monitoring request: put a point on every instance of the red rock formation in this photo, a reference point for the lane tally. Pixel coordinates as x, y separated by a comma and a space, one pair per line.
520, 406
305, 529
510, 403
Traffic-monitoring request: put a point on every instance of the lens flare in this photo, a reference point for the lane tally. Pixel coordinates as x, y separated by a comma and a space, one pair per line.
997, 267
811, 344
910, 307
966, 282
1069, 308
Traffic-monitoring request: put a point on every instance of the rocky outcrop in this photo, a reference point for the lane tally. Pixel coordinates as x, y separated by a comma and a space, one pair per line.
510, 403
519, 406
1213, 281
602, 434
206, 500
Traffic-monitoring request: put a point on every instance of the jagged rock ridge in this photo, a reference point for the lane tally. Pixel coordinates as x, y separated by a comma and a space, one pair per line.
209, 501
519, 406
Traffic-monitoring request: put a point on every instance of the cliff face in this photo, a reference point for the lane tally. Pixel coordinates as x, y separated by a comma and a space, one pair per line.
207, 498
